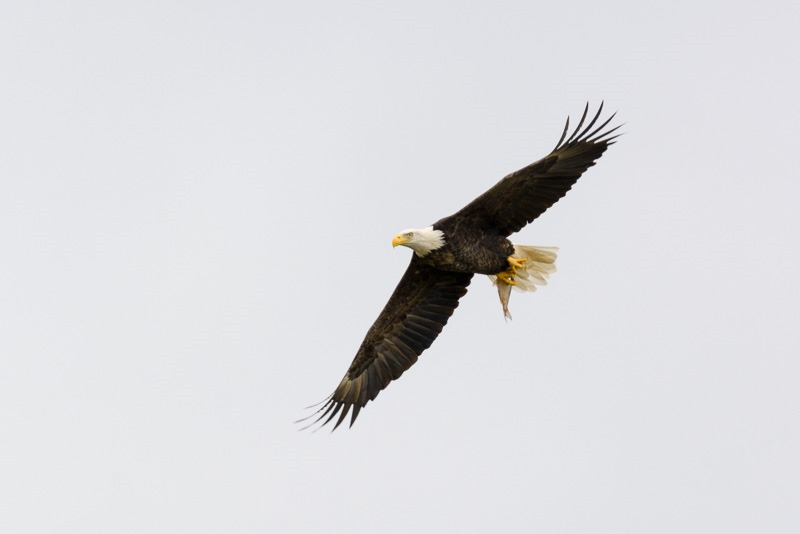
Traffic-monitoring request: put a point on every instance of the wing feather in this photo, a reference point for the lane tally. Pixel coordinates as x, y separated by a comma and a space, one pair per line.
415, 315
522, 196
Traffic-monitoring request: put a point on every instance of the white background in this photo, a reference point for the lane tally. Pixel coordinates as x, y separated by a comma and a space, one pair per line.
197, 201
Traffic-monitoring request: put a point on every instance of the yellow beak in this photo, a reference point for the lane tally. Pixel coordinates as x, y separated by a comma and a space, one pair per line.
399, 239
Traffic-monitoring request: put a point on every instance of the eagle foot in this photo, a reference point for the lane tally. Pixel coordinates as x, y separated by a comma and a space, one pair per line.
507, 276
516, 263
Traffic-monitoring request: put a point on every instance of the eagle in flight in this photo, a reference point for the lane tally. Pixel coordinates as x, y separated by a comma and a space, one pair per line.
449, 252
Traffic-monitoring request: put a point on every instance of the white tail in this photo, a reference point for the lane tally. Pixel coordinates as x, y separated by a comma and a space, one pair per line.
541, 264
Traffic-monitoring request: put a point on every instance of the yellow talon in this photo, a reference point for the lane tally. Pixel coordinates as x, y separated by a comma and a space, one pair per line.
516, 263
506, 277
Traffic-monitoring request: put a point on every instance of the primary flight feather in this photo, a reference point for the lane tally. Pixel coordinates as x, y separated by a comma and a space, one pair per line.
448, 253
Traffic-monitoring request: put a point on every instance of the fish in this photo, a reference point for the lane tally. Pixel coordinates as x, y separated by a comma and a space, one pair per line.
504, 291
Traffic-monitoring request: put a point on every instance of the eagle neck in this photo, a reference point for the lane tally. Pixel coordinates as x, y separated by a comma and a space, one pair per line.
427, 240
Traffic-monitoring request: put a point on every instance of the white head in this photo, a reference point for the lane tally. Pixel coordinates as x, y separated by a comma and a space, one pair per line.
421, 241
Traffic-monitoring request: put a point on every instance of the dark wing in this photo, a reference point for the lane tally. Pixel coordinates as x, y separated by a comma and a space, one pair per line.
522, 196
416, 312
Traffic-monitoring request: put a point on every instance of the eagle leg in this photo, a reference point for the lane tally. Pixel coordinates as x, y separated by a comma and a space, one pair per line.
516, 263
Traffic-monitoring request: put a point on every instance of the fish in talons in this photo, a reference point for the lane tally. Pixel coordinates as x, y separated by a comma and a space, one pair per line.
540, 262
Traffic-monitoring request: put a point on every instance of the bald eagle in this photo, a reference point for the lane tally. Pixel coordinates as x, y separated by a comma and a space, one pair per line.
449, 252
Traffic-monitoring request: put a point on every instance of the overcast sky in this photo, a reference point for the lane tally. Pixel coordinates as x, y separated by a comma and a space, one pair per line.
197, 201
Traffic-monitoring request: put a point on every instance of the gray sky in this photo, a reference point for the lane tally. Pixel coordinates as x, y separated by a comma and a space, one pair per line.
196, 208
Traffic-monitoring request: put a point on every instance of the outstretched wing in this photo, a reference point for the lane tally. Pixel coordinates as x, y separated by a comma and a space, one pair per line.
416, 312
522, 196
